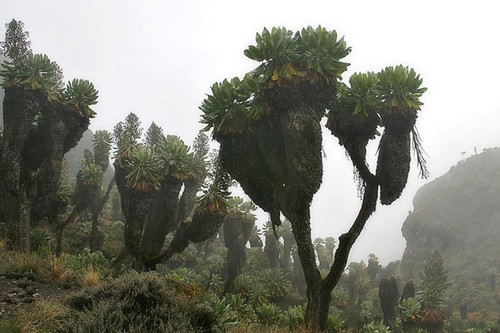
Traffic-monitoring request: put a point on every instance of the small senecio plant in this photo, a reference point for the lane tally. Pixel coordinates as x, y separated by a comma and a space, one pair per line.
38, 72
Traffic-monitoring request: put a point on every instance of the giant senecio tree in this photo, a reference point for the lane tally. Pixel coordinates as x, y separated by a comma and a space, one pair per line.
43, 119
269, 130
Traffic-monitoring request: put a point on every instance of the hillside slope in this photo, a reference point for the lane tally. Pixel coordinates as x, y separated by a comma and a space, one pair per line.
458, 215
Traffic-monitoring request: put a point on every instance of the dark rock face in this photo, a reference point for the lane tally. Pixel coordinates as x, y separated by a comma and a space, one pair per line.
458, 215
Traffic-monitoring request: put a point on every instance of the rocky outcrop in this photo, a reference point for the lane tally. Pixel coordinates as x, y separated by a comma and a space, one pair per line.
458, 214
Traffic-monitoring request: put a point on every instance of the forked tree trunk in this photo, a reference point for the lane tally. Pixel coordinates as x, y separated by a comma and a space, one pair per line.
319, 290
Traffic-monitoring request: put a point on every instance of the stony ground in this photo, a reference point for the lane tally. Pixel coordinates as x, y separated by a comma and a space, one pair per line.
23, 291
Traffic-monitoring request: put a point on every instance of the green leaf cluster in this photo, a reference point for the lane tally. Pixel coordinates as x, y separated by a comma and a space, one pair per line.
144, 170
433, 282
311, 54
80, 94
91, 174
38, 72
231, 107
33, 72
214, 199
400, 89
102, 141
173, 157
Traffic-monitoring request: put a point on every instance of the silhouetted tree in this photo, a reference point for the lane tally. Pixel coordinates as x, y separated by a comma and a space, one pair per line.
388, 293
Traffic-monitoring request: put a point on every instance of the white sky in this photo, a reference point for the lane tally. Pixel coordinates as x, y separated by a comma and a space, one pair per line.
158, 59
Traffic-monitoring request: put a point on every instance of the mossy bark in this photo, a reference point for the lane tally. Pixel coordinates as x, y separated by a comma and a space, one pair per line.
237, 232
20, 109
393, 165
161, 219
388, 293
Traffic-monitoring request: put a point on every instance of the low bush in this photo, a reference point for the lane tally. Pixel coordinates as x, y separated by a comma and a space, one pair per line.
138, 303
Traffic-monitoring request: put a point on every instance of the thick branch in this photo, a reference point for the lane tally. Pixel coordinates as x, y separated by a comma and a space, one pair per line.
347, 240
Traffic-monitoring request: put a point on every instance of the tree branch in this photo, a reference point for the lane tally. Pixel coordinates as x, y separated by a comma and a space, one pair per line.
347, 240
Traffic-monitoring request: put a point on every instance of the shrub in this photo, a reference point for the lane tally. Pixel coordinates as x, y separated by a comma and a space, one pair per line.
136, 302
268, 314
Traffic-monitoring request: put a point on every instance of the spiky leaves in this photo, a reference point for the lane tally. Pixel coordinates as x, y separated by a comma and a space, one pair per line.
230, 108
400, 89
80, 94
102, 142
144, 170
33, 72
310, 54
173, 157
91, 174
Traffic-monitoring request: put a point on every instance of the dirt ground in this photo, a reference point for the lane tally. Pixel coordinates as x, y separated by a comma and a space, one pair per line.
23, 291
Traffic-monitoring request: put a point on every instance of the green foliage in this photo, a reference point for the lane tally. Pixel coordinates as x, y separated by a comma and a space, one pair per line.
311, 55
334, 323
91, 174
144, 170
214, 199
293, 317
229, 109
16, 45
40, 240
84, 260
321, 50
268, 314
258, 293
400, 89
102, 141
361, 97
375, 327
308, 54
224, 316
127, 133
433, 282
33, 72
173, 157
242, 208
138, 303
410, 309
276, 282
80, 94
154, 136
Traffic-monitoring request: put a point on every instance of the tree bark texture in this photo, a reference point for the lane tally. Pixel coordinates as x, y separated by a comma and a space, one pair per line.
161, 219
20, 109
237, 232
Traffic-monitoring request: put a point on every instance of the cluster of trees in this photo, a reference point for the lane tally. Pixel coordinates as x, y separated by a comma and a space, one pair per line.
269, 131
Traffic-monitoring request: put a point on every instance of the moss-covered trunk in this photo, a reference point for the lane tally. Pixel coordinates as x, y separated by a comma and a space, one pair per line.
237, 232
161, 219
20, 109
188, 199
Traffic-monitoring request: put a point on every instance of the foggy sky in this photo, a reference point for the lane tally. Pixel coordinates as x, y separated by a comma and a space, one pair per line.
158, 59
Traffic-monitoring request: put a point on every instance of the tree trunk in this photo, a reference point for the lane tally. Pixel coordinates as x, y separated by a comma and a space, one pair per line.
161, 219
302, 233
20, 108
388, 293
95, 215
346, 241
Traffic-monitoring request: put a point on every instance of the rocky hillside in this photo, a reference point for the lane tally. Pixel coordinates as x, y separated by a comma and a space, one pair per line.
458, 215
